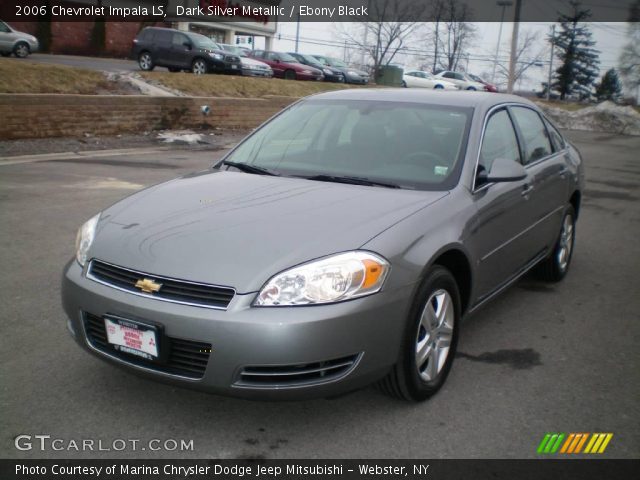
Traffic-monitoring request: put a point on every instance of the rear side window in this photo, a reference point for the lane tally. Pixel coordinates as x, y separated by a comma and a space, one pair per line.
499, 141
556, 139
536, 139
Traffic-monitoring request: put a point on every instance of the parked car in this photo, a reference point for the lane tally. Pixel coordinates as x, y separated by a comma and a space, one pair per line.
287, 67
250, 66
339, 244
490, 87
420, 79
177, 50
14, 42
351, 75
460, 79
330, 74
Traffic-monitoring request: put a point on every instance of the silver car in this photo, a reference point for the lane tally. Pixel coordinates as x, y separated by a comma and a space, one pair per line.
340, 244
19, 43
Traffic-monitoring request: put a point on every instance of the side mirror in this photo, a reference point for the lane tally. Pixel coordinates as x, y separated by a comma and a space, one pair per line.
503, 170
187, 45
277, 60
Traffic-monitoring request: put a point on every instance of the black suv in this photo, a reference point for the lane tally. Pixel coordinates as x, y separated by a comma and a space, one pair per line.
176, 50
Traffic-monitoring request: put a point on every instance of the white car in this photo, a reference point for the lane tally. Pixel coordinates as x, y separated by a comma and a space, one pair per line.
250, 66
461, 80
420, 79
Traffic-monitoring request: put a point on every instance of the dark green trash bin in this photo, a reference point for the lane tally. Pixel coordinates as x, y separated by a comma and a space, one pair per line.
389, 75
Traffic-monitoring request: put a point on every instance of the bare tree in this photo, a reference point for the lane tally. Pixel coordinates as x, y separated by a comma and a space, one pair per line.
453, 33
528, 54
391, 23
630, 56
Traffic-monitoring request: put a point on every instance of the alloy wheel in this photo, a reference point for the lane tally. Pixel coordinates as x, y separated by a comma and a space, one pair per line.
434, 335
145, 61
22, 50
199, 67
566, 242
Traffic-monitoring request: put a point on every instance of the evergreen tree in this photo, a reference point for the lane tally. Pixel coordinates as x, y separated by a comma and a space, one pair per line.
578, 59
609, 87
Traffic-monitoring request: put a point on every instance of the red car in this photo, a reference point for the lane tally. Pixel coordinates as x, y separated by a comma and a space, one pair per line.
489, 87
287, 67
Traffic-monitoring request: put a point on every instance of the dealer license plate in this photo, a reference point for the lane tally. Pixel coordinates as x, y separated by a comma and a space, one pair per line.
132, 337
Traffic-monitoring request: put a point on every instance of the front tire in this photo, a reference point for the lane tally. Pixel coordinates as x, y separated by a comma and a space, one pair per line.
555, 266
438, 87
199, 67
145, 62
21, 50
430, 339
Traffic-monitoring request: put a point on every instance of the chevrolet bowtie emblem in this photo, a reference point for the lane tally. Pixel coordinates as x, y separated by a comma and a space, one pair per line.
147, 285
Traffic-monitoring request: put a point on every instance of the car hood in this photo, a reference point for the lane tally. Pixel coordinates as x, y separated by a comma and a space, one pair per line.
238, 229
254, 63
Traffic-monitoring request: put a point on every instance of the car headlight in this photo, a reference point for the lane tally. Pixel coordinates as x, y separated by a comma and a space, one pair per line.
331, 279
217, 56
84, 239
353, 74
309, 72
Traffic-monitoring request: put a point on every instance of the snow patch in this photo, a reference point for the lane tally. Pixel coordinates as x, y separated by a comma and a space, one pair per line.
604, 117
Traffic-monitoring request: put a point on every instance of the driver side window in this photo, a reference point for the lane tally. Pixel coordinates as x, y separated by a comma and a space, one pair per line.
499, 141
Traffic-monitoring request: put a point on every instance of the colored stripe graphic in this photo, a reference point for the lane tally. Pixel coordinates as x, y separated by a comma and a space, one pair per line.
572, 443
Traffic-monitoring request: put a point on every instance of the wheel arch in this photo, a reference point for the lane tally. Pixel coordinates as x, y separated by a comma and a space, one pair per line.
454, 259
576, 198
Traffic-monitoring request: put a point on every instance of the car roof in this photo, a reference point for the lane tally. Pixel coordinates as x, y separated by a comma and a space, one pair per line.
482, 100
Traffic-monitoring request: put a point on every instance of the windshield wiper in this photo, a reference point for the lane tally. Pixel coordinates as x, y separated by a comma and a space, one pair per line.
245, 167
351, 180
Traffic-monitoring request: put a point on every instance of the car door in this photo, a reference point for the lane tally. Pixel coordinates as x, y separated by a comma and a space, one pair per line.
276, 65
6, 38
161, 47
499, 233
180, 51
547, 170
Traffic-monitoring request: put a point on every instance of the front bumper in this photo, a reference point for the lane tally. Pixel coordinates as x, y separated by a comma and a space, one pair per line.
367, 330
356, 79
309, 76
254, 72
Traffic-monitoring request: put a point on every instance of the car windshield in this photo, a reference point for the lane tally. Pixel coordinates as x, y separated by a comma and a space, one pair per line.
336, 63
412, 145
475, 78
309, 58
233, 49
285, 57
200, 41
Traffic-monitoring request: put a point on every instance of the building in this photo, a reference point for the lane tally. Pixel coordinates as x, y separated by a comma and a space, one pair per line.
112, 37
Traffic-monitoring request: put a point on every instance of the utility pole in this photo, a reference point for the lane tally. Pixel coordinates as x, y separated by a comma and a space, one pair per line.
553, 44
504, 4
514, 47
297, 32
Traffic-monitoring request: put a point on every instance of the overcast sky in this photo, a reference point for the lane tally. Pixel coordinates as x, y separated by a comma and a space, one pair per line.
321, 38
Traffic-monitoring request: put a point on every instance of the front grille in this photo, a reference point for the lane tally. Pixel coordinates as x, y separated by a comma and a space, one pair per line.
271, 376
186, 357
172, 290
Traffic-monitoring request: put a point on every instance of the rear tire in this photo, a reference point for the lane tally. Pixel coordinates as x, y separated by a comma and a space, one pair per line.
555, 266
438, 87
404, 84
21, 50
199, 67
472, 89
145, 62
430, 339
289, 75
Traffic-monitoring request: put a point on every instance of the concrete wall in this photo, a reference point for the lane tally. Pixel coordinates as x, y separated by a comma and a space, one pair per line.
43, 115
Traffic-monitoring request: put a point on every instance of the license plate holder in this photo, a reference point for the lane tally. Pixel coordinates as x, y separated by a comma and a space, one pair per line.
137, 339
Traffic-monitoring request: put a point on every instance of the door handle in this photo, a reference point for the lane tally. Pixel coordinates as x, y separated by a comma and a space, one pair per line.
562, 172
526, 189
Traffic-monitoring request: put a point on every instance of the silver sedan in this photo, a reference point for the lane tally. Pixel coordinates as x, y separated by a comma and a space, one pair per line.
340, 244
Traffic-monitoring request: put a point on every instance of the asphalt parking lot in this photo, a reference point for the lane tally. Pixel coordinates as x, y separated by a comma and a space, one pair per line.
541, 358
